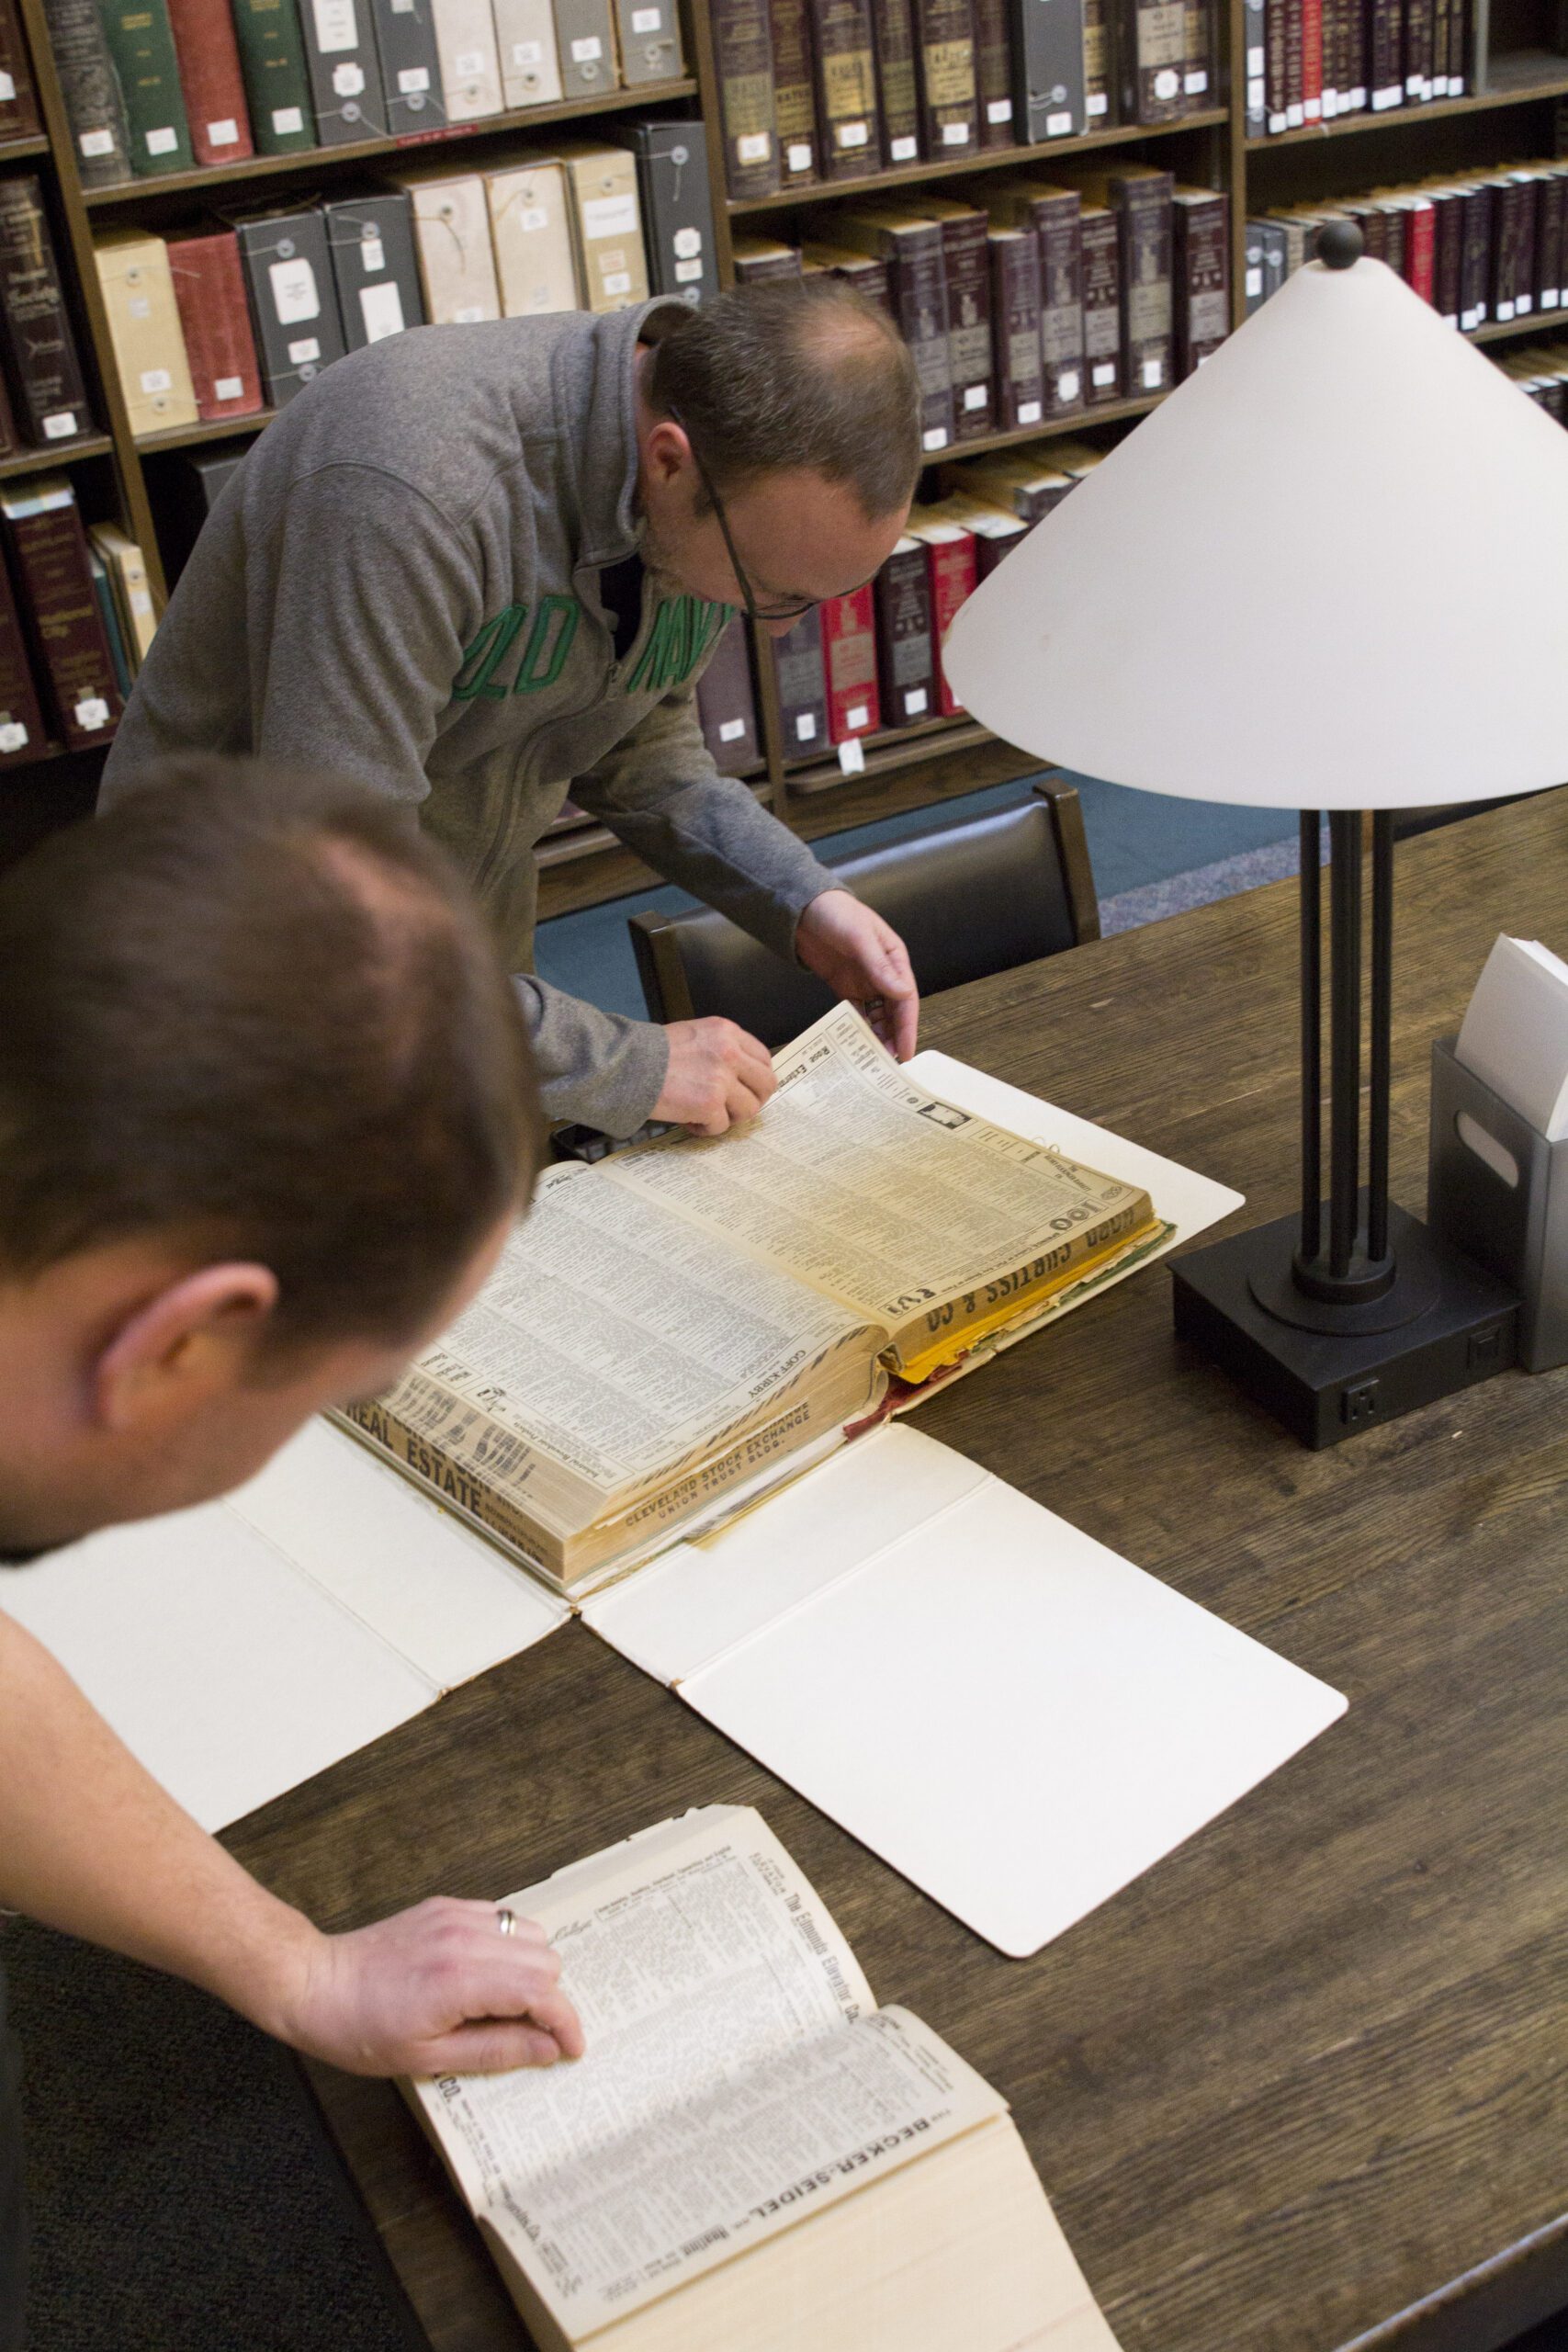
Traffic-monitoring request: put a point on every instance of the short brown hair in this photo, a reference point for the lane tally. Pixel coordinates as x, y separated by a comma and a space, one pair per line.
796, 372
259, 1014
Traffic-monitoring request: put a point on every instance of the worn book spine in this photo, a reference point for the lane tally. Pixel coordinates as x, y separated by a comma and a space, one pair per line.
849, 653
906, 677
743, 51
209, 287
1475, 257
1447, 228
944, 69
1513, 261
917, 278
50, 551
142, 50
10, 439
21, 720
49, 398
1357, 33
802, 687
966, 267
370, 239
1440, 49
1143, 205
1335, 100
1150, 39
19, 100
1015, 327
1200, 268
1460, 22
1056, 223
91, 90
529, 50
470, 62
952, 574
1549, 241
410, 67
585, 31
1420, 251
1295, 26
1276, 65
1524, 260
726, 707
898, 103
862, 271
277, 80
211, 77
794, 93
1100, 244
1098, 66
1385, 62
1197, 67
993, 72
1312, 61
1419, 31
677, 208
755, 259
345, 73
846, 110
143, 317
288, 275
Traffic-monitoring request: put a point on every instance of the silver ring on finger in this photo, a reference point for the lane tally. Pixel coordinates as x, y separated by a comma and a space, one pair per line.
505, 1920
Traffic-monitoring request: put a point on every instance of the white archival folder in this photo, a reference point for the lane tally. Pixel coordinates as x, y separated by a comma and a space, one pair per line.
1008, 1713
242, 1646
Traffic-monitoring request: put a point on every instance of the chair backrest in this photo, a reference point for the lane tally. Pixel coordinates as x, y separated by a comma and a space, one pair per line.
967, 900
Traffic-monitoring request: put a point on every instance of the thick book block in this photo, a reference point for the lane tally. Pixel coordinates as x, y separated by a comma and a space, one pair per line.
897, 95
1101, 247
847, 107
726, 707
1028, 485
19, 100
911, 250
410, 59
677, 207
1052, 213
142, 50
451, 236
370, 239
803, 687
905, 655
49, 549
21, 720
288, 276
530, 55
743, 55
470, 58
757, 259
1015, 327
585, 30
649, 32
849, 653
535, 258
209, 287
606, 224
862, 271
1201, 269
950, 553
1098, 66
43, 370
1140, 197
346, 71
795, 92
966, 267
945, 64
1150, 39
144, 329
993, 74
91, 89
276, 77
997, 531
213, 84
1198, 64
1550, 193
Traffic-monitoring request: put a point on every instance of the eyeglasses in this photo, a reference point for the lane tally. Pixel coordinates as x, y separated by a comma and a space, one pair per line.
754, 611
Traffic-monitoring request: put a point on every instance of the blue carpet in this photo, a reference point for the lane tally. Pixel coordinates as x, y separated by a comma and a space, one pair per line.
1137, 842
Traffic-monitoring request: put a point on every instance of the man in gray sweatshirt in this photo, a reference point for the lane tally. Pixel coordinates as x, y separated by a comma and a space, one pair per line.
481, 567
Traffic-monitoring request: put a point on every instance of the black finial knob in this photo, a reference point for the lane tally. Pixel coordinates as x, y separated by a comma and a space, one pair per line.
1339, 245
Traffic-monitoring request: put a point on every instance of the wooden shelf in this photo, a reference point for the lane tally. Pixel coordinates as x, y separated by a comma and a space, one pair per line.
313, 161
996, 159
44, 461
899, 747
1053, 429
18, 151
1537, 323
185, 437
1507, 89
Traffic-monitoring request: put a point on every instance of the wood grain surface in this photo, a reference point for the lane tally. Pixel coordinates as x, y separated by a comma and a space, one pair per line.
1303, 2086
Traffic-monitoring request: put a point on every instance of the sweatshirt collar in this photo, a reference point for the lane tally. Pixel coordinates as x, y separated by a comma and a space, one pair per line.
605, 451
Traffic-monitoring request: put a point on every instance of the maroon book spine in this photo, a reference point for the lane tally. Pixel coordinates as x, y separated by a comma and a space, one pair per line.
847, 114
1060, 298
1015, 327
19, 100
795, 96
803, 687
993, 75
1201, 269
51, 547
944, 55
1276, 67
727, 708
904, 654
1449, 245
892, 23
1384, 66
967, 266
214, 88
1101, 251
48, 392
743, 58
1548, 242
21, 720
209, 287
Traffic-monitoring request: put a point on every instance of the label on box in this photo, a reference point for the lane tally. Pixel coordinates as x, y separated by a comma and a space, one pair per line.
1069, 385
372, 253
157, 380
1196, 83
1524, 304
610, 216
1295, 117
915, 701
13, 735
1254, 284
60, 426
975, 396
1102, 373
647, 20
1549, 298
1029, 412
469, 64
294, 295
223, 134
335, 28
163, 142
381, 307
1058, 126
92, 711
617, 281
797, 155
754, 146
1256, 63
533, 216
96, 142
1383, 99
287, 120
854, 134
904, 151
935, 439
858, 715
306, 348
687, 272
413, 78
1168, 83
1505, 312
1154, 372
139, 307
584, 53
469, 315
1256, 92
852, 757
348, 79
731, 729
998, 110
527, 53
229, 388
7, 86
687, 242
1097, 103
956, 134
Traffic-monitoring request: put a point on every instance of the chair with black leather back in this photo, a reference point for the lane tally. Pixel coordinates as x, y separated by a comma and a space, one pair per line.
968, 899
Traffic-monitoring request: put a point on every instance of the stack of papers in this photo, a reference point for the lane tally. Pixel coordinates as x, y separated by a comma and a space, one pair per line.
1515, 1036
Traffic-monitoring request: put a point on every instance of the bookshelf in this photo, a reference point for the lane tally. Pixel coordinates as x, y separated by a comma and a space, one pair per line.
1509, 113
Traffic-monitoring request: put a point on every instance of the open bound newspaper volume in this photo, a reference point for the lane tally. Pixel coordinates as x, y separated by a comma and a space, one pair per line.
674, 1331
750, 2153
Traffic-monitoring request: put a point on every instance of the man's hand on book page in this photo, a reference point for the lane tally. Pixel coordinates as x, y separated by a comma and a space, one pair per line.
863, 959
436, 1990
717, 1075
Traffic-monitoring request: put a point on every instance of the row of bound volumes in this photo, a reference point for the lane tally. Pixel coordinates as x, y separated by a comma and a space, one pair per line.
829, 90
1311, 62
1026, 301
154, 86
242, 315
1541, 371
1483, 247
20, 115
43, 393
76, 617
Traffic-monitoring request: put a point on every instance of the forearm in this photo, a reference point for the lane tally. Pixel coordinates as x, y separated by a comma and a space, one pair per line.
90, 1843
600, 1067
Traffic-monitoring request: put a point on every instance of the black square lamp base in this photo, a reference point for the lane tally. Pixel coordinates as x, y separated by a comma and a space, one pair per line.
1447, 1325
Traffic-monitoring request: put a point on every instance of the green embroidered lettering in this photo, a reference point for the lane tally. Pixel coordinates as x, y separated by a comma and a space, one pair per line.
653, 669
544, 656
480, 658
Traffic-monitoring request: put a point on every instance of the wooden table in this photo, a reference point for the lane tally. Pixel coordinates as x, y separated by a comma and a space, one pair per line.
1305, 2084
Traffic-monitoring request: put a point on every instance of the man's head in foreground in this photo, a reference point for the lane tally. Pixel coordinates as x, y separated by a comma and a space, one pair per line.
266, 1108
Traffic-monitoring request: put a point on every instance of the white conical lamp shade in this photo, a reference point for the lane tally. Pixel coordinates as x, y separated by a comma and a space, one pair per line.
1329, 571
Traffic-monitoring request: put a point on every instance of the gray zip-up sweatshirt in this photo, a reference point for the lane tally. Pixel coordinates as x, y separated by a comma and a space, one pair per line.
401, 584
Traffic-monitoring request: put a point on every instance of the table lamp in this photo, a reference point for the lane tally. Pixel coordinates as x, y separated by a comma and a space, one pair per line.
1329, 571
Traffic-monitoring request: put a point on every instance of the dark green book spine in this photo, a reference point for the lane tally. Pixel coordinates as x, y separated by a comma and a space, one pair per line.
142, 49
278, 82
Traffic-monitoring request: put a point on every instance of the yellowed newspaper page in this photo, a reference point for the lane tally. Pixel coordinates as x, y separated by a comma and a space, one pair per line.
879, 1194
738, 2077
